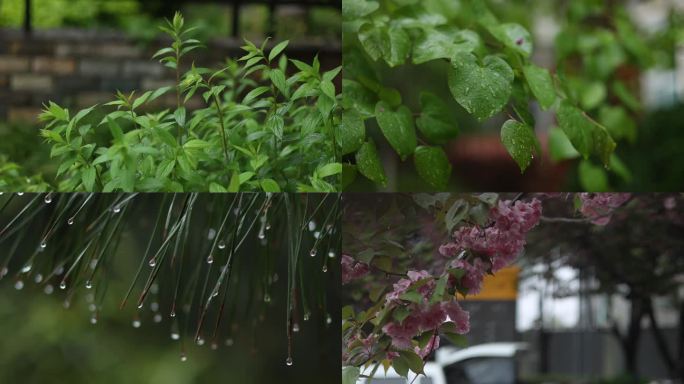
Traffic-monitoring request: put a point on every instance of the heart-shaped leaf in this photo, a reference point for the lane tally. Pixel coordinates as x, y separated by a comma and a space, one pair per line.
585, 134
435, 121
398, 128
350, 133
541, 84
433, 166
520, 141
368, 163
482, 90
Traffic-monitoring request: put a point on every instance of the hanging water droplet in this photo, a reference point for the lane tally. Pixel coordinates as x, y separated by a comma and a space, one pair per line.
70, 221
199, 341
26, 268
48, 199
157, 318
140, 305
3, 272
317, 235
92, 307
312, 226
210, 259
62, 285
229, 342
214, 345
154, 306
43, 244
328, 319
331, 254
48, 289
325, 268
268, 226
289, 361
175, 336
307, 316
222, 245
295, 327
183, 357
19, 285
67, 303
154, 288
93, 263
275, 277
116, 209
59, 270
136, 323
20, 193
172, 314
90, 297
211, 234
262, 235
152, 262
267, 298
312, 253
93, 319
89, 284
38, 278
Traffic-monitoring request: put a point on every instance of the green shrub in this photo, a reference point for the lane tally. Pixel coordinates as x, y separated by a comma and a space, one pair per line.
259, 129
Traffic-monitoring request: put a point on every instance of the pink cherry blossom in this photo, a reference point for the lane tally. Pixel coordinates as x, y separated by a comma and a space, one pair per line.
598, 207
352, 269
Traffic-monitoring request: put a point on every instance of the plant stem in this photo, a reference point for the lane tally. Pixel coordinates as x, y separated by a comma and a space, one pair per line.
223, 127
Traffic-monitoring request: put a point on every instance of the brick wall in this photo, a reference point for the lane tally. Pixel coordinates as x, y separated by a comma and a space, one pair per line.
79, 68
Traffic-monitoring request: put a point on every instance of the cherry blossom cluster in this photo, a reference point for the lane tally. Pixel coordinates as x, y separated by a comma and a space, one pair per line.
423, 315
496, 244
352, 269
599, 207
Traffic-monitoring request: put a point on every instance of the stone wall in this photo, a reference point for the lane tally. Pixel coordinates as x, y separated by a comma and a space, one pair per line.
79, 68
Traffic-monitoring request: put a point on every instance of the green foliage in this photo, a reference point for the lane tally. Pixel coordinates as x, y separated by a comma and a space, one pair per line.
489, 73
259, 129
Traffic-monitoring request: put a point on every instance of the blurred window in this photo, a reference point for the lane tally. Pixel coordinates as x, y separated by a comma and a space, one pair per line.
481, 371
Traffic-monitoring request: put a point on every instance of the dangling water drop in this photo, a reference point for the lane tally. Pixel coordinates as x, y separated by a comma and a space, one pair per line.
116, 209
172, 314
136, 323
289, 361
38, 278
267, 298
261, 235
331, 254
20, 193
89, 284
307, 316
48, 289
157, 318
48, 199
268, 226
140, 305
19, 285
62, 285
325, 268
295, 327
152, 262
93, 318
312, 226
199, 341
229, 342
210, 259
70, 221
313, 252
214, 345
59, 270
183, 357
154, 306
26, 268
175, 336
43, 244
222, 245
328, 319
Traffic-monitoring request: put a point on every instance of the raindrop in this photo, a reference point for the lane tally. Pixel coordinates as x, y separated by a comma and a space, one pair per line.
268, 226
173, 314
90, 297
19, 285
313, 252
222, 245
116, 209
89, 284
26, 269
152, 262
262, 235
214, 345
70, 221
331, 254
157, 318
154, 288
175, 336
154, 306
325, 268
317, 235
93, 318
38, 278
295, 327
93, 263
328, 319
312, 226
211, 234
307, 316
62, 285
48, 289
183, 357
199, 341
67, 303
43, 244
210, 259
229, 342
20, 193
288, 361
48, 199
267, 298
140, 306
59, 270
92, 307
136, 323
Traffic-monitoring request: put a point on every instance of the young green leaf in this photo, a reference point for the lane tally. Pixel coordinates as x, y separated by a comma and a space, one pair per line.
397, 127
520, 142
277, 49
433, 166
585, 134
435, 121
350, 133
541, 84
368, 163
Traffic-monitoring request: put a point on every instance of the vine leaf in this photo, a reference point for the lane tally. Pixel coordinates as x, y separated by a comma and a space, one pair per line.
586, 136
351, 132
482, 90
350, 375
398, 128
353, 9
432, 165
541, 84
391, 43
442, 43
520, 142
513, 36
435, 122
368, 163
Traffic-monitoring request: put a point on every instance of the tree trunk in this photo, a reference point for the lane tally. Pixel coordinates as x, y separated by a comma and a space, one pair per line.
660, 341
630, 342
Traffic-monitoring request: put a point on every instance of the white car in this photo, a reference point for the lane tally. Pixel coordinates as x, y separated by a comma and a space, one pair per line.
492, 363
